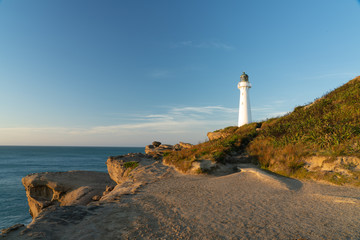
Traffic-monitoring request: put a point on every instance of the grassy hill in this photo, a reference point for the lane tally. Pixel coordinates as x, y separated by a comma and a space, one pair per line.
327, 130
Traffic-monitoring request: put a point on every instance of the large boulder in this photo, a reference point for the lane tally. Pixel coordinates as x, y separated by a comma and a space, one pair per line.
119, 167
149, 149
203, 166
344, 165
185, 145
165, 147
156, 149
217, 135
63, 188
130, 172
156, 143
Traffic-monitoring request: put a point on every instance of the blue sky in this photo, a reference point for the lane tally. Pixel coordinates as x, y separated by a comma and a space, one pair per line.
125, 73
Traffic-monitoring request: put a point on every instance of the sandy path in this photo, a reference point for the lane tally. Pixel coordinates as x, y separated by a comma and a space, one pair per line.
249, 204
246, 205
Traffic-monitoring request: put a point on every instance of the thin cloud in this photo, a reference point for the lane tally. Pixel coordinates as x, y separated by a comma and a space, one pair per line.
190, 123
34, 129
160, 74
206, 110
206, 44
159, 116
176, 124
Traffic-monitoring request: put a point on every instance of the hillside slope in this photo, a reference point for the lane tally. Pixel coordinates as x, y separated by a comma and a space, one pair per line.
319, 141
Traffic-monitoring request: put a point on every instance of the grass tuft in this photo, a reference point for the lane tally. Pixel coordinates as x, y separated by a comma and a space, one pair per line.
131, 165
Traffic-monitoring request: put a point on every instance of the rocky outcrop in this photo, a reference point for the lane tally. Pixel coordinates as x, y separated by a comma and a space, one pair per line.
63, 188
12, 228
71, 188
130, 172
58, 200
203, 166
156, 149
217, 135
185, 145
343, 165
121, 167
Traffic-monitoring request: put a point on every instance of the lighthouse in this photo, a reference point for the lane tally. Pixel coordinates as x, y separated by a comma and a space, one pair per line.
244, 106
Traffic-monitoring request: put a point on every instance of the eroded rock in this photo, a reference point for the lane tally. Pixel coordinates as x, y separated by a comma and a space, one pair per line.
12, 228
63, 188
157, 149
203, 166
185, 145
343, 165
130, 172
156, 143
217, 135
119, 167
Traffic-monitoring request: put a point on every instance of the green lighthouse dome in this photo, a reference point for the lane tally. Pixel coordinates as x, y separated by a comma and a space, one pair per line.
244, 77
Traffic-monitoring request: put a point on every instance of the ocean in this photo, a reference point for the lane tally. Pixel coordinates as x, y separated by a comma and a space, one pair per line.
17, 161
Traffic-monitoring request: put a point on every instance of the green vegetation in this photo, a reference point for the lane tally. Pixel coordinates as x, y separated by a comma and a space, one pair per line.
328, 127
130, 165
216, 150
330, 124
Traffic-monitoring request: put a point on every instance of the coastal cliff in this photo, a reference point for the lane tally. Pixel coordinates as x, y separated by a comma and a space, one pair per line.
62, 198
153, 201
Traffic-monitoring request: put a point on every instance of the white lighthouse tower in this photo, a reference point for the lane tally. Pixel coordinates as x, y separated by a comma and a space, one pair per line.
244, 106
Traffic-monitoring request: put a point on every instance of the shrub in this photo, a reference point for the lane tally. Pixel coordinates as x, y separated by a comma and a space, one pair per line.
131, 165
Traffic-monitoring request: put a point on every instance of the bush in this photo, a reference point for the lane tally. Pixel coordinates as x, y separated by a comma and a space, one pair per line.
131, 165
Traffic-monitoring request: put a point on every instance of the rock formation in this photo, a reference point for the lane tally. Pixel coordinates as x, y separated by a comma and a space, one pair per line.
344, 165
156, 143
156, 149
83, 187
62, 198
63, 188
184, 145
217, 134
130, 172
203, 166
120, 167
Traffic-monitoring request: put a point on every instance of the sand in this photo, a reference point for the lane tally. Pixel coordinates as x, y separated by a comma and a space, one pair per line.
250, 204
246, 205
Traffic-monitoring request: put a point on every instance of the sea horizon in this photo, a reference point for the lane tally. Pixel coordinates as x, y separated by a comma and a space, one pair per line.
17, 162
